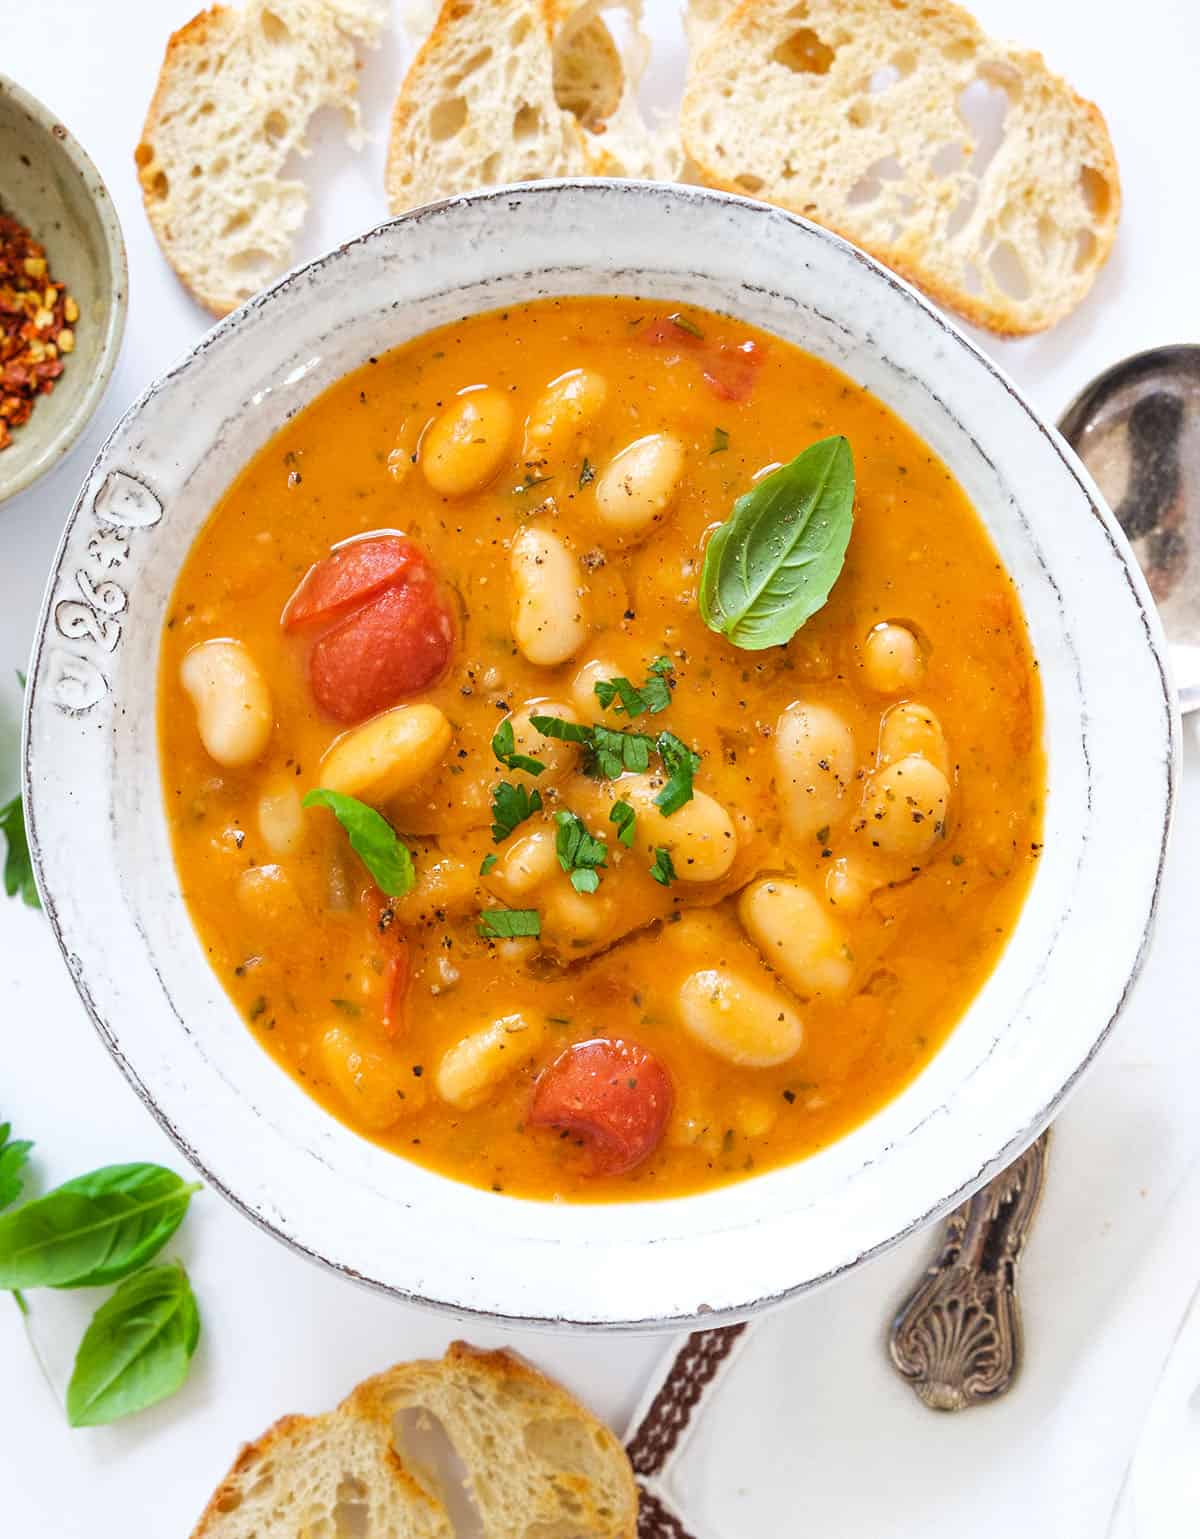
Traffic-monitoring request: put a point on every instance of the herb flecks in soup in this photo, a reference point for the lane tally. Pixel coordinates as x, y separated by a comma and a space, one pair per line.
554, 803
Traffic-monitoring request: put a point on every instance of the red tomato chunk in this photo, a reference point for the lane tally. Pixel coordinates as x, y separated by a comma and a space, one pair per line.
611, 1094
398, 643
353, 574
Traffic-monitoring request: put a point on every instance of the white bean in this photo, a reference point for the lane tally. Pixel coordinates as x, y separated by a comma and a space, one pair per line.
548, 617
797, 936
233, 703
575, 919
815, 763
557, 757
912, 728
526, 864
739, 1019
638, 485
464, 447
582, 689
892, 659
378, 1089
473, 1069
388, 756
700, 837
268, 896
281, 817
905, 807
848, 886
564, 408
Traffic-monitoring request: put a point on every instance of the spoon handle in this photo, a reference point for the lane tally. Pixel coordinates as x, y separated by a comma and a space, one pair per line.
957, 1338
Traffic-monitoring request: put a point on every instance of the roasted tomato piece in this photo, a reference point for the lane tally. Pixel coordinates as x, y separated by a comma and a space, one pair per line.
730, 372
611, 1094
398, 643
353, 574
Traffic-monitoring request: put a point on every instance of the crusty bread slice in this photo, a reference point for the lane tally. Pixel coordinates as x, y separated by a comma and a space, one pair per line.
234, 98
537, 1465
852, 113
331, 1474
516, 90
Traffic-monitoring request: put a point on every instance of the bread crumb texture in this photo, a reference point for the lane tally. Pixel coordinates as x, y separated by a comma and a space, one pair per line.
235, 96
962, 163
477, 1440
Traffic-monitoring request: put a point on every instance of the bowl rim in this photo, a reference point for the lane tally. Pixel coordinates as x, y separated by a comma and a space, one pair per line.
57, 446
1155, 645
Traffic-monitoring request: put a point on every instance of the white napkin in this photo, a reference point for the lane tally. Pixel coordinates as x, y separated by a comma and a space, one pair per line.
806, 1428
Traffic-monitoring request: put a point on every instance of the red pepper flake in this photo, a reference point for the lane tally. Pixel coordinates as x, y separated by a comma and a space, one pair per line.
36, 320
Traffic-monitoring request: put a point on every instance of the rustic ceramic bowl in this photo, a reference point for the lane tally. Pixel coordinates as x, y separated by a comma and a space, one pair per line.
48, 182
99, 836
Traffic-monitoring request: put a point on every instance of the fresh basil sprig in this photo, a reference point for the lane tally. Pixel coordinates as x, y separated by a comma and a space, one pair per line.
14, 1156
373, 840
18, 867
137, 1349
93, 1230
772, 563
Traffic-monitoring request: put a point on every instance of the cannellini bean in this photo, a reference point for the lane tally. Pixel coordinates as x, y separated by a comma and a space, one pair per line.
574, 918
548, 619
848, 886
473, 1069
268, 895
739, 1019
388, 756
557, 757
526, 864
378, 1088
797, 937
912, 728
445, 888
566, 406
281, 817
700, 837
464, 448
582, 689
815, 763
233, 703
892, 659
905, 807
637, 486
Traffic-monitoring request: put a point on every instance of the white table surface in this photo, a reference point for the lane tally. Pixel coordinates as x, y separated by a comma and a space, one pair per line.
281, 1334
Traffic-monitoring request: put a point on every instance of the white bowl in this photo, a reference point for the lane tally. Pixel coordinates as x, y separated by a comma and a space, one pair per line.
99, 835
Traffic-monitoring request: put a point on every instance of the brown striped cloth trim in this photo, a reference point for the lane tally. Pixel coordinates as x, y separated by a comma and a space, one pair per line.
656, 1436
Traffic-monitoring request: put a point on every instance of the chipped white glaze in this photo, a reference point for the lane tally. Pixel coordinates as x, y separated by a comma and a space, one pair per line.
100, 843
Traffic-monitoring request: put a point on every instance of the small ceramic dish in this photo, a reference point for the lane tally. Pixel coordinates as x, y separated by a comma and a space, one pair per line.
99, 836
49, 183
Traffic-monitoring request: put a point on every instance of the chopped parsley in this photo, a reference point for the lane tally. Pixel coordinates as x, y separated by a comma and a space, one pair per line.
504, 743
586, 474
511, 805
663, 869
653, 696
720, 441
556, 727
580, 853
529, 483
613, 753
681, 764
625, 818
509, 923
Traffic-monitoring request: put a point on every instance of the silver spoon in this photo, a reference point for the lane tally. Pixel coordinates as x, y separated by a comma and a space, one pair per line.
957, 1337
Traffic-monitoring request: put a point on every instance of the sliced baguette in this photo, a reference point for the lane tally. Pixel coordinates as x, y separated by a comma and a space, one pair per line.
234, 98
537, 1465
779, 103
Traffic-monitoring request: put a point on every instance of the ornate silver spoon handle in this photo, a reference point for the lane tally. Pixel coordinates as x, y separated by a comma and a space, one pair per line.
957, 1339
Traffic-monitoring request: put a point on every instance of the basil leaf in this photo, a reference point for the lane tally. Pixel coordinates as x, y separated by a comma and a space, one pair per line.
137, 1349
772, 563
681, 764
579, 852
18, 868
14, 1156
373, 840
487, 864
663, 869
93, 1230
512, 805
504, 744
505, 923
625, 818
